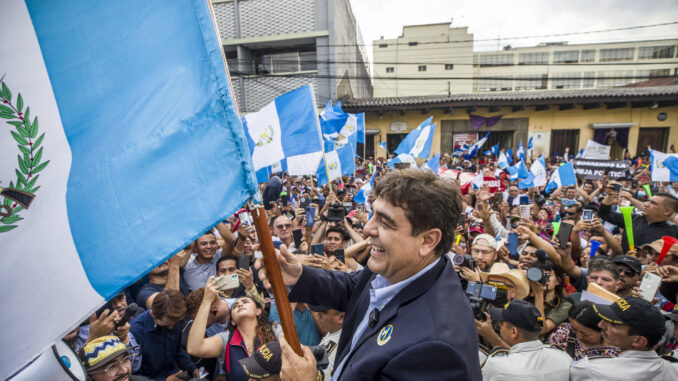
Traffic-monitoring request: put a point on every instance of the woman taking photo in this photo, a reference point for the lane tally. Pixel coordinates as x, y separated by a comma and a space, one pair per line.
249, 328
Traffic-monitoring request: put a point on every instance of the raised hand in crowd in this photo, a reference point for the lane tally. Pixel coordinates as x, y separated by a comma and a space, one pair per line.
102, 325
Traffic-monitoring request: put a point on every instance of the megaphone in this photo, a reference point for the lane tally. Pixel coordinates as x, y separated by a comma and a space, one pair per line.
58, 363
668, 243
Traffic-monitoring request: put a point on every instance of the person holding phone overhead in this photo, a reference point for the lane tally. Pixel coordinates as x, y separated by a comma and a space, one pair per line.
649, 226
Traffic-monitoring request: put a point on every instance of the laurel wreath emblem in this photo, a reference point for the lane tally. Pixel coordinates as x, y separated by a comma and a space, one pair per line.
29, 158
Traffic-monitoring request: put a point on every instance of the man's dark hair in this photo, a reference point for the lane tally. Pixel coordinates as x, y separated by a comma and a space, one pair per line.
193, 301
229, 257
337, 229
651, 342
601, 263
169, 303
428, 201
670, 201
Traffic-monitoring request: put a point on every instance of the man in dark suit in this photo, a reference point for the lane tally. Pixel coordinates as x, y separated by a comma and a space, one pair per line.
406, 314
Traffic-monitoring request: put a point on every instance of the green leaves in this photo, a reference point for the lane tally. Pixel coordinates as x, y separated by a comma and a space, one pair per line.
29, 158
6, 93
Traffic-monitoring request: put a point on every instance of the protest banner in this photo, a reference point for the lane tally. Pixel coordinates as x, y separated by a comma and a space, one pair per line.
594, 169
458, 140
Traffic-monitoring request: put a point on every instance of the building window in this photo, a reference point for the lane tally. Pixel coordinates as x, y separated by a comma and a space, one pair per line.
620, 54
421, 68
390, 69
615, 78
494, 84
567, 56
655, 52
565, 81
383, 45
589, 79
412, 43
531, 81
285, 61
541, 58
496, 59
588, 55
561, 139
449, 66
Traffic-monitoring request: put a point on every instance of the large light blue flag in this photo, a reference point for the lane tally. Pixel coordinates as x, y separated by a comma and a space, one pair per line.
286, 128
139, 149
561, 177
418, 142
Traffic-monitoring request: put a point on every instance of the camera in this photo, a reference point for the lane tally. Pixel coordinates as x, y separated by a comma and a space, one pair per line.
481, 295
336, 213
616, 187
539, 273
131, 311
464, 261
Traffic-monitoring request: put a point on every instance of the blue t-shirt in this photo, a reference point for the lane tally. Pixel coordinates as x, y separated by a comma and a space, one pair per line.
303, 320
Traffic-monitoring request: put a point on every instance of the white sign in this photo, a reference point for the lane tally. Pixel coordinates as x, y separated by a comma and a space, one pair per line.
540, 142
398, 126
595, 150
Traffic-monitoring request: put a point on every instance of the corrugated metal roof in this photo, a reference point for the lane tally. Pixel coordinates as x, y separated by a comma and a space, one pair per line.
517, 97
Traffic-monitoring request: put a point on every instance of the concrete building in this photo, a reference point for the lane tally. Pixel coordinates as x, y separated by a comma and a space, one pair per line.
436, 59
642, 115
275, 46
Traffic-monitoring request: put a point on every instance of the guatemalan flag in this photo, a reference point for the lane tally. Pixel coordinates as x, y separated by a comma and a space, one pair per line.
475, 147
561, 177
364, 192
521, 151
664, 166
287, 128
122, 144
418, 142
537, 175
338, 162
502, 162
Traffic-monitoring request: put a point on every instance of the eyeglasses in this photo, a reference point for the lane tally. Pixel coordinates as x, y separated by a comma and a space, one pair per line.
628, 272
284, 226
114, 367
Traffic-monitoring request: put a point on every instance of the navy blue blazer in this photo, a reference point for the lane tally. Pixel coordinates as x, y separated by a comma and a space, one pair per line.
432, 333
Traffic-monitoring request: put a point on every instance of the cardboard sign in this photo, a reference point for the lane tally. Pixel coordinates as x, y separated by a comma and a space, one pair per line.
594, 169
595, 150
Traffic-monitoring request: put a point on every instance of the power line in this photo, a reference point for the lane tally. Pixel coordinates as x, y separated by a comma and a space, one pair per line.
510, 38
572, 64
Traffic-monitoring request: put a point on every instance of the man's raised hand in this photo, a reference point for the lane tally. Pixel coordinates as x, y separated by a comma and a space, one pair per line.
290, 267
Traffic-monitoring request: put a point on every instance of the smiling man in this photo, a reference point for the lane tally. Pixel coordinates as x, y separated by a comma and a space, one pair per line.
406, 314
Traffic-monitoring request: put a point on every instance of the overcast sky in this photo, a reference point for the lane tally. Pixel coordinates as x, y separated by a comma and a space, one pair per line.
488, 19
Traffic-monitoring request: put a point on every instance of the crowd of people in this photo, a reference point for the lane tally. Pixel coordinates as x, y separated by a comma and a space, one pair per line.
428, 278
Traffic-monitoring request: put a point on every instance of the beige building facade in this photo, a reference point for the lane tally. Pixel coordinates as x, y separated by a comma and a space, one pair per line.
435, 59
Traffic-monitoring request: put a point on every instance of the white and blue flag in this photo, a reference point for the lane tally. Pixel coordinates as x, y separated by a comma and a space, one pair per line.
339, 162
433, 164
364, 192
361, 127
502, 162
122, 144
417, 143
475, 147
383, 145
521, 152
529, 142
509, 156
663, 166
561, 177
518, 171
537, 175
332, 121
286, 128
